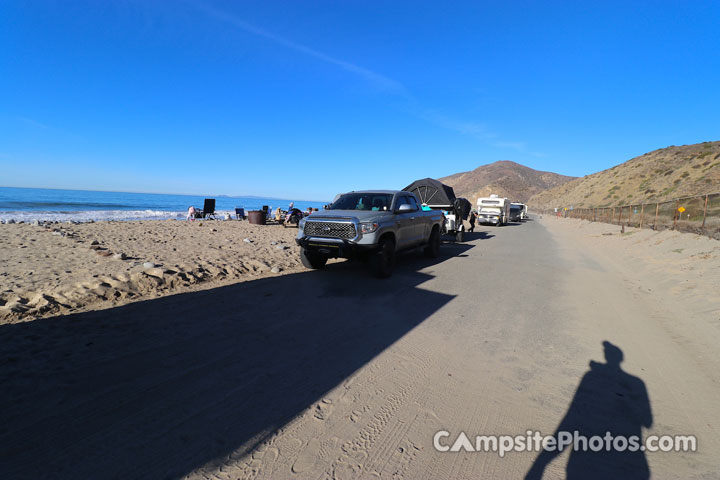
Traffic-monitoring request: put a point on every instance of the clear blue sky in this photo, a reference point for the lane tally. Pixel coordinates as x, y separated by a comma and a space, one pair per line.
306, 99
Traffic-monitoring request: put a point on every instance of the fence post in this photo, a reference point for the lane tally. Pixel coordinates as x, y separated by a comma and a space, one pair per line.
657, 210
642, 214
675, 217
630, 212
620, 216
613, 216
705, 211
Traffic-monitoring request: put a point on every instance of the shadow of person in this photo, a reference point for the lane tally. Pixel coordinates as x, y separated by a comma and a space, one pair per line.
607, 402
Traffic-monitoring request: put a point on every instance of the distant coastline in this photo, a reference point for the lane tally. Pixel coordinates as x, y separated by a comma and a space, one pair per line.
218, 195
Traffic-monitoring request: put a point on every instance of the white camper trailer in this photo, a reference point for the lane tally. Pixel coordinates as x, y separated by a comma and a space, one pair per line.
493, 210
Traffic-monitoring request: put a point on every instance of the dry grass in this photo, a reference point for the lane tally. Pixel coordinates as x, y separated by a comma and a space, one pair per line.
660, 175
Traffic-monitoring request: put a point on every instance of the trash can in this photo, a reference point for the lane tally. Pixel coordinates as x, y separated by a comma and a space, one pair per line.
256, 216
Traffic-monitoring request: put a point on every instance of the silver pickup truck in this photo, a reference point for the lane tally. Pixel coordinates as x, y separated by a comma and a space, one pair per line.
371, 225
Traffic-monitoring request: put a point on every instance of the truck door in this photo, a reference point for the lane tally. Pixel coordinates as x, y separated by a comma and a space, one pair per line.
421, 223
405, 223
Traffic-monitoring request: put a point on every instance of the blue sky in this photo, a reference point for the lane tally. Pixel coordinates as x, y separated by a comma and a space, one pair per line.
306, 99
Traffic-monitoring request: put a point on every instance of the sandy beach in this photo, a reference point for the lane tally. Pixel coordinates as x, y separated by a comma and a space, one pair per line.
335, 374
64, 267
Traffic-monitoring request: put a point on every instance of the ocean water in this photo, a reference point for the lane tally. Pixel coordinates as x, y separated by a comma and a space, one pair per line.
28, 204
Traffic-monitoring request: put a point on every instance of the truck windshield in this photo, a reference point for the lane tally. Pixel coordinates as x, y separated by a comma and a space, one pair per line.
514, 209
363, 201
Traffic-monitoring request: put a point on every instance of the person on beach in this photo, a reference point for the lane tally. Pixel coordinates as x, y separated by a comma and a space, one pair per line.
191, 213
473, 216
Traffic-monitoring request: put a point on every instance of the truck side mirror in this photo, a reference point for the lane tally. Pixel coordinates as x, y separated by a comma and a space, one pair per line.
405, 208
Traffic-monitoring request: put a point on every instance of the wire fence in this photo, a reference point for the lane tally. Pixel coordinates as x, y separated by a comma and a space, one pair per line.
699, 214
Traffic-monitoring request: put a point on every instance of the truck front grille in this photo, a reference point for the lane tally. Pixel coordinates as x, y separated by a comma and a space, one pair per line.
330, 229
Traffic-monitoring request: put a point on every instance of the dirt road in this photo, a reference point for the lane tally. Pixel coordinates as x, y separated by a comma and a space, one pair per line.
334, 374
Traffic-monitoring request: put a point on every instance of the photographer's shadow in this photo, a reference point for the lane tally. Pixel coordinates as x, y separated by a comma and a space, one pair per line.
607, 400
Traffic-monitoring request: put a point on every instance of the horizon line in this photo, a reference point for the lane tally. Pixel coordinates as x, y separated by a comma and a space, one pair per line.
217, 195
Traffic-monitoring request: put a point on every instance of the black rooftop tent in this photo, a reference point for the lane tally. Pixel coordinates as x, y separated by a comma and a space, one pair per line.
431, 192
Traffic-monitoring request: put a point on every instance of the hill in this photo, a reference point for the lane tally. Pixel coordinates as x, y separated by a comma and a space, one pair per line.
660, 175
505, 178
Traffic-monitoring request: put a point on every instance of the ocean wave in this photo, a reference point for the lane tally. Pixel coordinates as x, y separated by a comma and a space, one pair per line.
98, 215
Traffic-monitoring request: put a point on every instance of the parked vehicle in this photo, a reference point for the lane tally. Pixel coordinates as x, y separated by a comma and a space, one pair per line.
493, 210
372, 225
523, 209
515, 213
434, 195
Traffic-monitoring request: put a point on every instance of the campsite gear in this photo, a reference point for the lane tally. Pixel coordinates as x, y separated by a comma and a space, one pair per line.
257, 217
208, 210
435, 195
239, 213
293, 217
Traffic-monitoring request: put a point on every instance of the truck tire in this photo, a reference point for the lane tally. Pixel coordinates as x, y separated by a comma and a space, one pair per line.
312, 260
432, 250
460, 236
382, 262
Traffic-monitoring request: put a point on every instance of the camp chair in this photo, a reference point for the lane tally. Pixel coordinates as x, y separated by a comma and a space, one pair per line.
239, 213
209, 208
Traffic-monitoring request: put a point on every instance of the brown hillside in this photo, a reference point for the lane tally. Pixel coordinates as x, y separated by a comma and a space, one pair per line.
661, 175
505, 178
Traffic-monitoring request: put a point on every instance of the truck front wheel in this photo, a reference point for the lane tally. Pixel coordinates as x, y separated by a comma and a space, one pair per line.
382, 262
312, 260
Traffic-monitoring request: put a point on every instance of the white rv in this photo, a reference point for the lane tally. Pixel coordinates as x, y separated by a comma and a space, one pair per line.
493, 210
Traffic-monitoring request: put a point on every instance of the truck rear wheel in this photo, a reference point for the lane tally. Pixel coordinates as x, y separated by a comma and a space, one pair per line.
312, 260
382, 262
432, 249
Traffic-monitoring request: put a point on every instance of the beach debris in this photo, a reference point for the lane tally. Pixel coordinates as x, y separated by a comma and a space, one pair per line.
94, 242
120, 256
281, 247
103, 253
10, 221
276, 270
149, 265
273, 242
36, 223
214, 230
247, 240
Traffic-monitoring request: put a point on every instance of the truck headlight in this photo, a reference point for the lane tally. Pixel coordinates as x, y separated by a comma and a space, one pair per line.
368, 227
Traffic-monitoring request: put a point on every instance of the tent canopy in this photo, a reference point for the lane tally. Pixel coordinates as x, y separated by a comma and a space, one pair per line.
432, 192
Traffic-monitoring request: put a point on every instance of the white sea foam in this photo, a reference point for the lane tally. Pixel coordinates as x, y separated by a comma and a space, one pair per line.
98, 215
